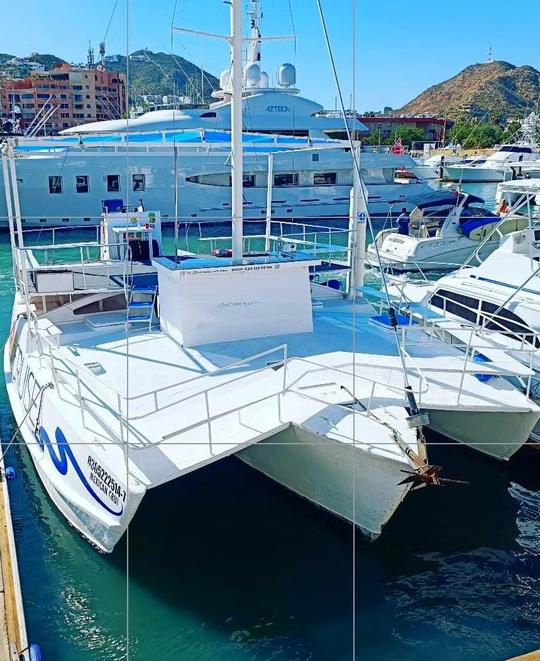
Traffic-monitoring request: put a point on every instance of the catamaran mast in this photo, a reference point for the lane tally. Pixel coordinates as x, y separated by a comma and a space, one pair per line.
236, 130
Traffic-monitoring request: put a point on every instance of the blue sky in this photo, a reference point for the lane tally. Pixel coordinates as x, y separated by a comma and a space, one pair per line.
402, 47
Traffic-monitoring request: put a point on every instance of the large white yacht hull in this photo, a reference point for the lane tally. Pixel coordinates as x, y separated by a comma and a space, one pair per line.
202, 179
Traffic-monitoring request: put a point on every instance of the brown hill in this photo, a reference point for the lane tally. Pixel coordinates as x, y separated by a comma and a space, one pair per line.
493, 87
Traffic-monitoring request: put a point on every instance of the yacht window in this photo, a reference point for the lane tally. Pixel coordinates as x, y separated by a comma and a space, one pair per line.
508, 323
248, 181
315, 157
516, 150
113, 183
286, 179
324, 178
208, 114
81, 183
465, 307
55, 184
139, 182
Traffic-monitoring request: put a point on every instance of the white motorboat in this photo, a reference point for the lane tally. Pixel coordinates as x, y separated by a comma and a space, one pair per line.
445, 229
432, 167
496, 303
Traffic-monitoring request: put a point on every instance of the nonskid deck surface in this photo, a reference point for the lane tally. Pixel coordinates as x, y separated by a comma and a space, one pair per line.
182, 415
156, 362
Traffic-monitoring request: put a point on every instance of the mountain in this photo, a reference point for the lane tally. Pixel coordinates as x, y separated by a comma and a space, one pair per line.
493, 87
163, 73
149, 73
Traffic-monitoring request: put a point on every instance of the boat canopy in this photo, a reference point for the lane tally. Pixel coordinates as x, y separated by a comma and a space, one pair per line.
443, 198
259, 143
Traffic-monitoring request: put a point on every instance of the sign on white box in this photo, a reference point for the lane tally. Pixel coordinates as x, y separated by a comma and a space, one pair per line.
236, 302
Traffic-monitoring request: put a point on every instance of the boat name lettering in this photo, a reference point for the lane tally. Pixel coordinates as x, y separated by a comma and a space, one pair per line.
277, 109
105, 482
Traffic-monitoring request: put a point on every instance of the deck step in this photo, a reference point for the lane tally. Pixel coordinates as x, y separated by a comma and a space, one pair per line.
141, 304
143, 290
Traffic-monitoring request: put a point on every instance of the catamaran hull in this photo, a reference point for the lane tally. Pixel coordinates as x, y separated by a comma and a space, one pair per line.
347, 481
498, 434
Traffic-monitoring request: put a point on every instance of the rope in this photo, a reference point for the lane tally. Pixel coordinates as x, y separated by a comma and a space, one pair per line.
391, 313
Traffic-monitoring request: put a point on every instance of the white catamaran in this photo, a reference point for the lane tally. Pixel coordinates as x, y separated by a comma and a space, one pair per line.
127, 368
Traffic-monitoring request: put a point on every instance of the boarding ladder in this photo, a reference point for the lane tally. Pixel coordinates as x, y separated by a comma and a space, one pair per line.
141, 304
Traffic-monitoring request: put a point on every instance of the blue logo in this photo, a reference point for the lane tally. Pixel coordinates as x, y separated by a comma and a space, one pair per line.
62, 460
277, 109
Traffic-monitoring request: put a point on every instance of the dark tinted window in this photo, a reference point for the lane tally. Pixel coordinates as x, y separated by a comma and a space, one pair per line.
456, 304
286, 179
139, 182
508, 323
55, 184
113, 183
324, 178
81, 183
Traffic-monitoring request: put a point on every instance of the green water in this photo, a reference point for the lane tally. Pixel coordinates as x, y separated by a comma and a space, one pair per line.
226, 565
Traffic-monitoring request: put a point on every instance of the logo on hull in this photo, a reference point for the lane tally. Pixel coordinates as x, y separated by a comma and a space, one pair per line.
63, 455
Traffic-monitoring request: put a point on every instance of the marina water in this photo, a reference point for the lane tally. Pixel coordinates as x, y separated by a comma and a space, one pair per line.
225, 564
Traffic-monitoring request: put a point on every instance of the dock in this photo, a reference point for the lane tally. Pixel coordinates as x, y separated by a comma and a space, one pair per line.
13, 639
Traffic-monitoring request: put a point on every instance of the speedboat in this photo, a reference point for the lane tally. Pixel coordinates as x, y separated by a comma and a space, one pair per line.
508, 158
445, 229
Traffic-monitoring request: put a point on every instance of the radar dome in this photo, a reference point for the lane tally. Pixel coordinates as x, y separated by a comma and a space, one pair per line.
253, 74
264, 79
286, 75
224, 79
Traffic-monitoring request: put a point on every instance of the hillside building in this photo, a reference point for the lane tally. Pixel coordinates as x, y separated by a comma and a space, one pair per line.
433, 127
67, 95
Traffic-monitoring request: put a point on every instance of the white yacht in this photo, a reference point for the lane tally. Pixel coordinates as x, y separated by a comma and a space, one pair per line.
432, 167
127, 367
63, 180
445, 229
505, 163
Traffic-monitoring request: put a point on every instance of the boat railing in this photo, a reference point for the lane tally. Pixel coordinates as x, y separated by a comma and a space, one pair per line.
423, 384
525, 342
120, 405
84, 258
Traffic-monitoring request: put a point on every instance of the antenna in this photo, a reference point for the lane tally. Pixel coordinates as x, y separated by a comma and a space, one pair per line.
102, 55
90, 57
490, 55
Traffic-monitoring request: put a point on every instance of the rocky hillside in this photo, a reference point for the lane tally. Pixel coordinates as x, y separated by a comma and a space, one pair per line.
494, 87
163, 73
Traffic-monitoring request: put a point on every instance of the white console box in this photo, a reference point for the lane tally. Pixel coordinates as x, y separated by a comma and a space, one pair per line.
210, 302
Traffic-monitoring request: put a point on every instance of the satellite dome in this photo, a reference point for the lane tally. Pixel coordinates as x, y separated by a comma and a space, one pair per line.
286, 75
252, 74
264, 79
224, 78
